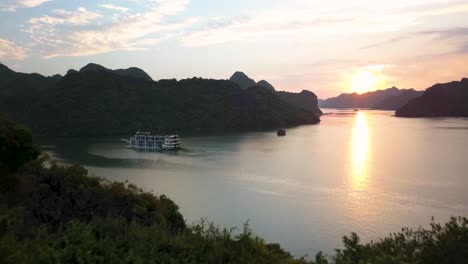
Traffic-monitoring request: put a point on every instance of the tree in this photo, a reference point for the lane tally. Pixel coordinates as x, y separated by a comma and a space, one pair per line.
16, 147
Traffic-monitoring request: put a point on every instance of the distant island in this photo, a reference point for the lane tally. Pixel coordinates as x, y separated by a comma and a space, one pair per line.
441, 100
96, 101
306, 99
388, 99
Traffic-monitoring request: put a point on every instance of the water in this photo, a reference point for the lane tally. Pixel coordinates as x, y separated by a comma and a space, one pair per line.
367, 172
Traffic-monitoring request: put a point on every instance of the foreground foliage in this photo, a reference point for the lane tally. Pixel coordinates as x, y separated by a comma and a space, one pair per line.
16, 145
115, 240
446, 243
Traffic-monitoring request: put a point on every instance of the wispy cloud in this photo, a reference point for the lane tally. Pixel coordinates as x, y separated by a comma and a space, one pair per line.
446, 33
81, 16
300, 18
132, 31
385, 42
456, 37
48, 32
272, 22
10, 50
115, 7
12, 5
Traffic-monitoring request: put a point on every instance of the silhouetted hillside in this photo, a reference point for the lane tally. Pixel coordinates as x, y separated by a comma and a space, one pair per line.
441, 100
397, 101
245, 81
242, 80
6, 74
23, 84
100, 102
306, 100
266, 85
130, 72
365, 100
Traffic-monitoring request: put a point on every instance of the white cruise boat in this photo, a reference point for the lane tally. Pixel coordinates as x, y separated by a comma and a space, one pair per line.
146, 141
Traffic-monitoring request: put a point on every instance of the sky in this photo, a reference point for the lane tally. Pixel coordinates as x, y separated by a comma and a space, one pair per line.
328, 47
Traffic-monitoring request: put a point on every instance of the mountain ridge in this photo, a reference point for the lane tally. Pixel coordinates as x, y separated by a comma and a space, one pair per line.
372, 99
98, 102
440, 100
306, 99
397, 101
130, 72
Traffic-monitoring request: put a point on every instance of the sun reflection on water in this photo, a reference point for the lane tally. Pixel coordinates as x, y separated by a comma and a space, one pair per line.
359, 153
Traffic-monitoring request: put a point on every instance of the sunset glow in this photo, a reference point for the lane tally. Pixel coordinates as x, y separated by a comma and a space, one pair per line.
359, 153
326, 47
363, 81
247, 131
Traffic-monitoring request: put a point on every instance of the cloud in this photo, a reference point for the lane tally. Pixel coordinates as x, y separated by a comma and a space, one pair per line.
115, 7
9, 50
446, 33
301, 19
49, 31
68, 34
265, 23
385, 42
81, 16
270, 23
31, 3
12, 5
456, 37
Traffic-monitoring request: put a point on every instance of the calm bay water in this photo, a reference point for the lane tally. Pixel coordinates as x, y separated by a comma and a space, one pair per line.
366, 172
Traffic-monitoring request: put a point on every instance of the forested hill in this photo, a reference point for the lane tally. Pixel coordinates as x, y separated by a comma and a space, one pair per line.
440, 100
397, 101
102, 102
306, 100
22, 84
130, 72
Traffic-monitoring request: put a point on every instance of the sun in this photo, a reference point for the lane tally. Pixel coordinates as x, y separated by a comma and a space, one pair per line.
363, 81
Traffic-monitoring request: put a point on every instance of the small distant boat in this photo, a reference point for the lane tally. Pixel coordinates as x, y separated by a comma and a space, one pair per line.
146, 141
281, 132
356, 110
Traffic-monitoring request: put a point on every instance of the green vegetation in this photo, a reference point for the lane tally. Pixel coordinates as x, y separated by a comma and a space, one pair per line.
60, 214
16, 147
103, 103
438, 244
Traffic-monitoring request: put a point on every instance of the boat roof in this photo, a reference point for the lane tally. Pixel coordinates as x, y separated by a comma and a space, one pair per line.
149, 134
